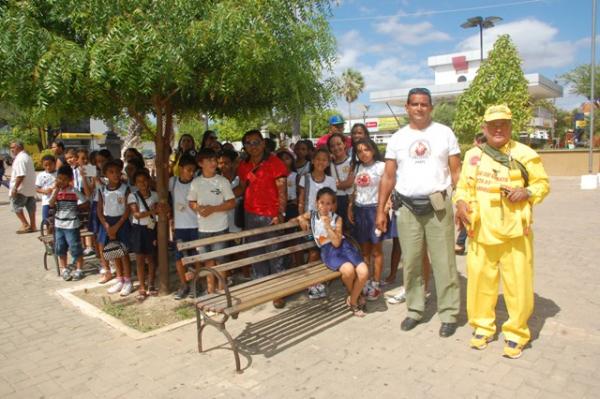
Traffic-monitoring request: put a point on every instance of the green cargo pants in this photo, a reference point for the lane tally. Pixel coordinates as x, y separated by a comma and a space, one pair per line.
437, 230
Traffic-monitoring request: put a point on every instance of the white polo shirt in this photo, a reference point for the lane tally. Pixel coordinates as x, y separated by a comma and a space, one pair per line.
422, 158
23, 166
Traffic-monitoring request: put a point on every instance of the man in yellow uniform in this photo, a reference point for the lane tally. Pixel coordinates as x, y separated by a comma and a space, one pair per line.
498, 185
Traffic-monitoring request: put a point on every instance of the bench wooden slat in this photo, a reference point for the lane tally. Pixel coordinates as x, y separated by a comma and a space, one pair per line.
236, 289
262, 257
234, 236
244, 247
261, 287
289, 290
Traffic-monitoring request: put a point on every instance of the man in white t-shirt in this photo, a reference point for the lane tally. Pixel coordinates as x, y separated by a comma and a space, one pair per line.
422, 162
22, 187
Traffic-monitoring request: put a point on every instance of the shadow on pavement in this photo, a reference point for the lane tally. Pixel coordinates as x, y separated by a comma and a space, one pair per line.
278, 333
544, 309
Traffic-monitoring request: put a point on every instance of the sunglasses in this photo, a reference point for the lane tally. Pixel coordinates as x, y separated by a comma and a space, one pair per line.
253, 143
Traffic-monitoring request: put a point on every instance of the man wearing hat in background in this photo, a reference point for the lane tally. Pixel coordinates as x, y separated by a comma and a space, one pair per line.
498, 186
336, 125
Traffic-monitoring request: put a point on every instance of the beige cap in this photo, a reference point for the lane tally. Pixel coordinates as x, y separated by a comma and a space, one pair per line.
496, 112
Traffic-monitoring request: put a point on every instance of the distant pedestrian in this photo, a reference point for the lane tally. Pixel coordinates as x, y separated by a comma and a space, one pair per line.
22, 187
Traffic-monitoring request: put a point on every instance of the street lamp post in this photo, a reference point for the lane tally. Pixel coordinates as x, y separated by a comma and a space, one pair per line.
483, 23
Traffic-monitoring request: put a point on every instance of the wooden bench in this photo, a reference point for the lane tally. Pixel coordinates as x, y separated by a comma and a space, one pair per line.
215, 309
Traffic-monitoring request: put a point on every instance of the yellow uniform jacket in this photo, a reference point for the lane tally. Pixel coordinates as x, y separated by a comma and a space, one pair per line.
494, 219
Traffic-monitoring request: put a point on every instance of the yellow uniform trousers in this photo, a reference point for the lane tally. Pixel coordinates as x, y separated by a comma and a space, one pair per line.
512, 261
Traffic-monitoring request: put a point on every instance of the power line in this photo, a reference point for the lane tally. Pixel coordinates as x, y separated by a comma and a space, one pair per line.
436, 12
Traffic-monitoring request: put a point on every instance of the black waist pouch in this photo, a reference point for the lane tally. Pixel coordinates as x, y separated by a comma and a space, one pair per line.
419, 206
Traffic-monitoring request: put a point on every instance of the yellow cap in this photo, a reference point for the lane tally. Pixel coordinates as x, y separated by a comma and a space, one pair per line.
496, 112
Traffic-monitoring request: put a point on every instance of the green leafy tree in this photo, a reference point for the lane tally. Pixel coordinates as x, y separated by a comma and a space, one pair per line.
103, 58
444, 113
580, 80
351, 84
500, 80
318, 119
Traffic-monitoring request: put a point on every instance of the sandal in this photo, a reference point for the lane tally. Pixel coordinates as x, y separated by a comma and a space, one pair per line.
107, 277
141, 296
24, 230
152, 291
357, 310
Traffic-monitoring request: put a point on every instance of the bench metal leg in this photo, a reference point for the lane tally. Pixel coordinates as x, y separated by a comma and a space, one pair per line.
202, 320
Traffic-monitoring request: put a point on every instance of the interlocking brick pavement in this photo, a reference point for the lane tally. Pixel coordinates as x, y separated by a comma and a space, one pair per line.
314, 349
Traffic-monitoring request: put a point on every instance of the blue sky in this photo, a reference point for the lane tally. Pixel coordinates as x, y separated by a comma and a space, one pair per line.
389, 41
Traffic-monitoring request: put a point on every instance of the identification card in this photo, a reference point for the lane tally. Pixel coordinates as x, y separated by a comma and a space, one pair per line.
437, 201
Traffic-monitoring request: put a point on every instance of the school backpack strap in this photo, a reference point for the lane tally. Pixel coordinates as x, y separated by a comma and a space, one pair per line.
143, 201
306, 190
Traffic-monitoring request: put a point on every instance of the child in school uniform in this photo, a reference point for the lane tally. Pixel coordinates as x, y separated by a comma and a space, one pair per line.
309, 185
341, 171
64, 199
44, 183
363, 209
184, 219
143, 207
336, 252
211, 197
113, 214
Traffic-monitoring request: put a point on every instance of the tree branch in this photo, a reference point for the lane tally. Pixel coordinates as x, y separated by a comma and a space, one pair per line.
141, 120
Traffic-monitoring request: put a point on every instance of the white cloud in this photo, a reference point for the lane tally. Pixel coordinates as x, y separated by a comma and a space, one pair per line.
411, 34
535, 41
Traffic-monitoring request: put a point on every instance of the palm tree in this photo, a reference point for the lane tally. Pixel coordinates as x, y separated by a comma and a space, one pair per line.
351, 85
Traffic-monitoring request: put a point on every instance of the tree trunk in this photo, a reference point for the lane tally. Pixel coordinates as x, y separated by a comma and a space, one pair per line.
133, 138
162, 139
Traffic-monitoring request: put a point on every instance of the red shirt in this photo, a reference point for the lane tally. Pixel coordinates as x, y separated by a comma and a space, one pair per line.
261, 196
322, 142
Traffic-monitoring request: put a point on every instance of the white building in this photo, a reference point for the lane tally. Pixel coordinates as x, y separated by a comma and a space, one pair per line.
455, 72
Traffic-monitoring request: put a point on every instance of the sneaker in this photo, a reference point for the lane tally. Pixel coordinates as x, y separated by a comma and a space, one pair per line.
67, 273
127, 288
322, 290
513, 350
116, 287
89, 252
373, 293
480, 342
78, 275
313, 292
182, 292
399, 297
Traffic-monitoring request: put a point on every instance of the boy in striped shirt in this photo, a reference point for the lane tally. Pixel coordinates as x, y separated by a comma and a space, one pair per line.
66, 223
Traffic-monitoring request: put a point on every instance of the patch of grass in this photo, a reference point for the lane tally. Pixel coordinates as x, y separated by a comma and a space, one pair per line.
185, 311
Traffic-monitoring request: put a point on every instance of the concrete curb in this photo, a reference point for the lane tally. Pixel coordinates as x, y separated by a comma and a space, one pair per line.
92, 311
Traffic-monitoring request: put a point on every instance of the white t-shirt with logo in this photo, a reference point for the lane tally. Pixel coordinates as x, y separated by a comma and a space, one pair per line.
211, 191
45, 180
340, 172
422, 158
183, 215
314, 186
23, 166
134, 198
114, 201
291, 186
367, 183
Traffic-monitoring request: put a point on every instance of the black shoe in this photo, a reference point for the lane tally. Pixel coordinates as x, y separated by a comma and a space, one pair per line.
408, 324
182, 292
447, 329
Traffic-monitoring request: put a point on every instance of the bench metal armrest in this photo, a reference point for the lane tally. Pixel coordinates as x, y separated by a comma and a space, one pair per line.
203, 270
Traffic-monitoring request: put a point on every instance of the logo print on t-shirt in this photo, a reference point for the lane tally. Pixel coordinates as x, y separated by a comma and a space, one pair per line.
216, 191
363, 180
420, 149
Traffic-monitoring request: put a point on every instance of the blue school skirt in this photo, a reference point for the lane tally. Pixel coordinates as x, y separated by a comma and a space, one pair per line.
334, 257
122, 235
363, 229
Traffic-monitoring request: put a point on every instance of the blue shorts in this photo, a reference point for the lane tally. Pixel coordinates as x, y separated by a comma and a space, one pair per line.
213, 247
67, 239
184, 235
45, 212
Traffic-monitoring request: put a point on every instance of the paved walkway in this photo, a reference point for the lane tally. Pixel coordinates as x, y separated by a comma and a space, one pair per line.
314, 350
